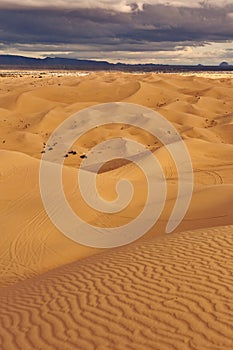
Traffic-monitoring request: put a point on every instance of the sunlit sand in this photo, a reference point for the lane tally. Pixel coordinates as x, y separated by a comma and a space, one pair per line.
161, 292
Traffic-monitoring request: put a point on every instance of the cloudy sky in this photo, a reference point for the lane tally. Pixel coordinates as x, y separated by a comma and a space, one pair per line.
157, 31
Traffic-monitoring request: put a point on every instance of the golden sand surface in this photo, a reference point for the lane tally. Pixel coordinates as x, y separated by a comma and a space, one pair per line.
164, 291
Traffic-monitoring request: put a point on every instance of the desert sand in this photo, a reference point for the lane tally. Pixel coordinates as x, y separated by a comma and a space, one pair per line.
164, 291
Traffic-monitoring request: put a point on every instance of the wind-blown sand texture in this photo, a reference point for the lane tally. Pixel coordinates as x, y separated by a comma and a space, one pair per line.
161, 292
167, 293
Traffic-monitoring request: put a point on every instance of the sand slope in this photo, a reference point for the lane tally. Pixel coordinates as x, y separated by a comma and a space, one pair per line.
172, 292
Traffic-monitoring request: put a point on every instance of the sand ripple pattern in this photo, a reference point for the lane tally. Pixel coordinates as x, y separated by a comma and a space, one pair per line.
173, 292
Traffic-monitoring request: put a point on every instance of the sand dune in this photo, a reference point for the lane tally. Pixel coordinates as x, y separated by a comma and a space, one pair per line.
172, 292
31, 244
161, 292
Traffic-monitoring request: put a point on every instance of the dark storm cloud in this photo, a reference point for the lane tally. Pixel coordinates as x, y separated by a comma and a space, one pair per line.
150, 28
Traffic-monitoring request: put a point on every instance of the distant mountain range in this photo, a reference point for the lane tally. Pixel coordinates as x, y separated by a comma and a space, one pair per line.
56, 63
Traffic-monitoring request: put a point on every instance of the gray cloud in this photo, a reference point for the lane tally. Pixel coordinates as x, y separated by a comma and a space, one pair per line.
143, 27
120, 5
